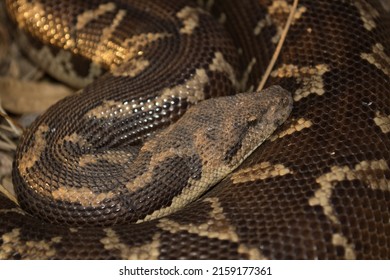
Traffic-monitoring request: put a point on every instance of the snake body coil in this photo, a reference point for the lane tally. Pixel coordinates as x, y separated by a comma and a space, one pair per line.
318, 188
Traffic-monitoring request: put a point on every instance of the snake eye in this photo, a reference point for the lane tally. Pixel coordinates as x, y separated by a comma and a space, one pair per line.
251, 121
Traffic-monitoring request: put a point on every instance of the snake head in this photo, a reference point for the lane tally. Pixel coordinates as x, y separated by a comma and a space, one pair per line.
258, 115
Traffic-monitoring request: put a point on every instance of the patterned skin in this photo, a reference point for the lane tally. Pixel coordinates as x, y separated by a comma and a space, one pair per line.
318, 188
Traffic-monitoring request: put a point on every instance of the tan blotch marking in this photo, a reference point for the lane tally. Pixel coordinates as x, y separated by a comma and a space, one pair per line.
137, 42
339, 240
32, 155
217, 227
127, 59
367, 14
221, 65
260, 171
108, 31
298, 125
190, 19
75, 139
310, 78
261, 24
366, 171
60, 64
106, 51
109, 109
282, 7
382, 121
192, 90
86, 17
148, 251
84, 196
73, 230
115, 157
12, 244
379, 58
87, 159
252, 253
279, 11
131, 68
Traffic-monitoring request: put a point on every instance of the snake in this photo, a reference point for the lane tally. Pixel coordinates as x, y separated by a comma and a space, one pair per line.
170, 150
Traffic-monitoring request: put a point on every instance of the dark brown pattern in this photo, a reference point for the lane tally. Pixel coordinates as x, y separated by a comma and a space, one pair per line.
334, 200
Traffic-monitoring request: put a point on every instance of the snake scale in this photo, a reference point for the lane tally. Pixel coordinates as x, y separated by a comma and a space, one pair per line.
318, 188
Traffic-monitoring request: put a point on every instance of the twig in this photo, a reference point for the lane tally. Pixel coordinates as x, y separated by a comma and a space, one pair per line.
16, 127
279, 46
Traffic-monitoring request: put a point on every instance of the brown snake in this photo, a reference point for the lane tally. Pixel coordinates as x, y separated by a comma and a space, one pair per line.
318, 188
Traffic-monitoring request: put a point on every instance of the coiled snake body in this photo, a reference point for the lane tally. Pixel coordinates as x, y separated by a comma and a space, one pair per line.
317, 188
